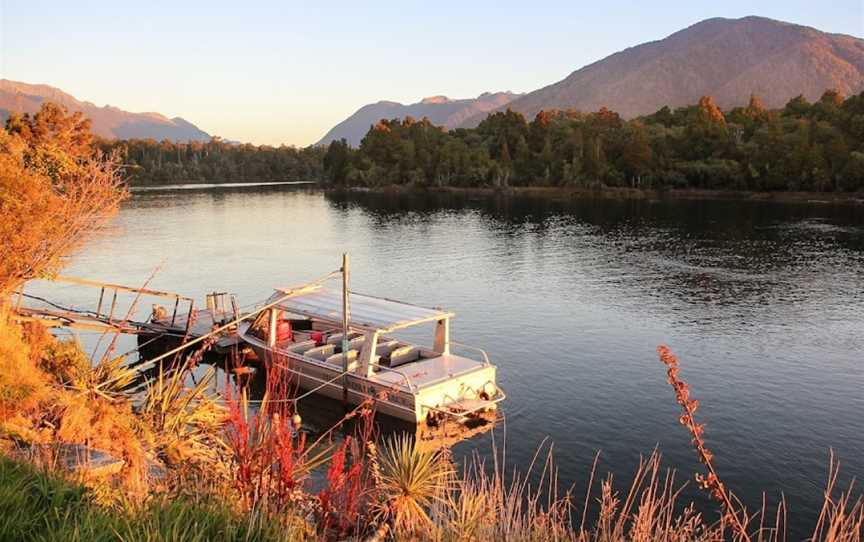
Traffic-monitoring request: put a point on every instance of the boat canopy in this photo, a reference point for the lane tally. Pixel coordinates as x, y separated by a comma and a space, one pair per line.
365, 311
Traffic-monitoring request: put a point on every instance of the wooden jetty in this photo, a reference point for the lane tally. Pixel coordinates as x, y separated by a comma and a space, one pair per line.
166, 332
105, 316
168, 326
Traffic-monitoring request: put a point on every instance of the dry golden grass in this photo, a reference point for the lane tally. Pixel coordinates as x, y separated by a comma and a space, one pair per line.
24, 389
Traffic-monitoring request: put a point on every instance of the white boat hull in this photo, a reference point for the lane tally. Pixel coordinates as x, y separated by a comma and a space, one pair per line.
447, 395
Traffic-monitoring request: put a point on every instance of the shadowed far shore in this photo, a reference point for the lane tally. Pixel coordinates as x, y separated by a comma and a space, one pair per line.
558, 192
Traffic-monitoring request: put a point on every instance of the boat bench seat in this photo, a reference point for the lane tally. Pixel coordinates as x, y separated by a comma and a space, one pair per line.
336, 338
356, 343
320, 352
336, 359
302, 347
403, 355
384, 349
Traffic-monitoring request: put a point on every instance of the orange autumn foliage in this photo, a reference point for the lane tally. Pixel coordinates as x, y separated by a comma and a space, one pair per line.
55, 190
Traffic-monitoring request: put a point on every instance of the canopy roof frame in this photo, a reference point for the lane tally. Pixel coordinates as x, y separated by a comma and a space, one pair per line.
366, 312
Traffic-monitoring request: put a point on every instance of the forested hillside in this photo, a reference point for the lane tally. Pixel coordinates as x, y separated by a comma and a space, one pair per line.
802, 147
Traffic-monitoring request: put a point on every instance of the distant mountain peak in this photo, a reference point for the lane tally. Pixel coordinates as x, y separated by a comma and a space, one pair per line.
436, 100
107, 121
440, 110
501, 93
729, 59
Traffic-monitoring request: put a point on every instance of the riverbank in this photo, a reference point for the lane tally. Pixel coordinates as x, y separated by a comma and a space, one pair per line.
208, 186
560, 192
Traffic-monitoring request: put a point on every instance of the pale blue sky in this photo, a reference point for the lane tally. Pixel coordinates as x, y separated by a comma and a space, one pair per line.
285, 72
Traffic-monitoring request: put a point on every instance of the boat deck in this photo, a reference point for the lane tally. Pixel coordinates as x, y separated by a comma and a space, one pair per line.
428, 371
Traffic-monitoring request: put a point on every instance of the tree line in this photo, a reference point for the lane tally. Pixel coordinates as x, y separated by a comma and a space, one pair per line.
802, 147
151, 162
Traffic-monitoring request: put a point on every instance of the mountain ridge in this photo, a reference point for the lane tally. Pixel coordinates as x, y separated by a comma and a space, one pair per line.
729, 59
440, 110
108, 121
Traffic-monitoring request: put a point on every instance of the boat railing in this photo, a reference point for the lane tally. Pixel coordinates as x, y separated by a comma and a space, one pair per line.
447, 408
480, 351
411, 387
497, 396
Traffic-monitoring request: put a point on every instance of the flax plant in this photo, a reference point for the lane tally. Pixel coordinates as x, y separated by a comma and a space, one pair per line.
186, 421
411, 480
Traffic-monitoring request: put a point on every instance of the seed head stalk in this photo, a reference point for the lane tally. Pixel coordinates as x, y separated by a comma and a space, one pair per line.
711, 482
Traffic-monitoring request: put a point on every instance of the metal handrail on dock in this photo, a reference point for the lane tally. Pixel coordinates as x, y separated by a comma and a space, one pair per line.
116, 288
97, 319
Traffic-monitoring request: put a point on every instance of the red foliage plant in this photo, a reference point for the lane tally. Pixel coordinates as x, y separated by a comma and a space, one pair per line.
272, 460
351, 485
268, 454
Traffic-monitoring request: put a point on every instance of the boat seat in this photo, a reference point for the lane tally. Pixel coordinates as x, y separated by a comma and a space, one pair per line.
384, 349
357, 343
336, 359
403, 355
336, 338
301, 347
320, 352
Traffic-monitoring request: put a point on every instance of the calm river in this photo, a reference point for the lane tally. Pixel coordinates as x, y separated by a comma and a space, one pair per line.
762, 302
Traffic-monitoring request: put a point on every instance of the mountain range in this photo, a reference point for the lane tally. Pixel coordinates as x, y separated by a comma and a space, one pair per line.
729, 59
109, 122
440, 110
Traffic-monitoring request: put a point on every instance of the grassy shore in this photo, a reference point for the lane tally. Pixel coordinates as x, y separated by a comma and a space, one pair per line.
42, 506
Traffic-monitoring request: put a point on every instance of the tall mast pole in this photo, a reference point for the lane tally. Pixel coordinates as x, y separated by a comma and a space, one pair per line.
345, 343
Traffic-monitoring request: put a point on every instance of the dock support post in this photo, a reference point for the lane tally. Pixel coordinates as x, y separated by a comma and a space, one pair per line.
113, 304
174, 315
99, 306
188, 320
345, 341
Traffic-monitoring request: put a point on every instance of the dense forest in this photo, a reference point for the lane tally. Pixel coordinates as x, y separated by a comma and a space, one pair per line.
150, 162
803, 147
